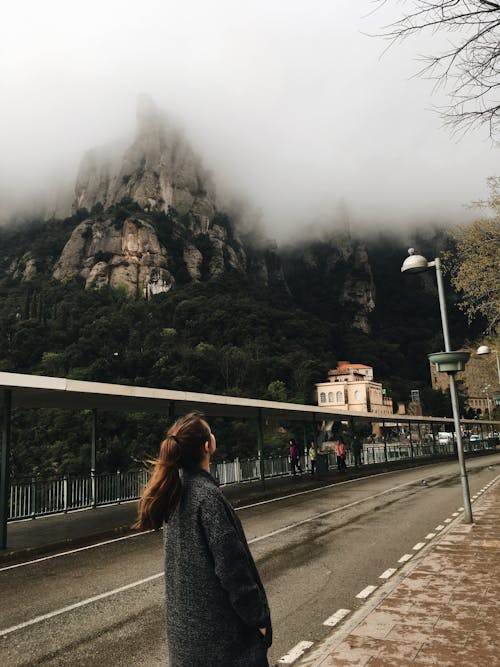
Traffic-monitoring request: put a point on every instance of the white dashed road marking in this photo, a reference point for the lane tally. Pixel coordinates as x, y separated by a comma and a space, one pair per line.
388, 573
405, 558
429, 536
440, 527
362, 595
336, 617
418, 546
296, 652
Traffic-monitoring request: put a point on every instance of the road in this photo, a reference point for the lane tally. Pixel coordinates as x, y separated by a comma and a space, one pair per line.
316, 551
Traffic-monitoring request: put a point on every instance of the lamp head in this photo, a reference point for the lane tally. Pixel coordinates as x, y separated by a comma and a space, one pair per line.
483, 349
414, 263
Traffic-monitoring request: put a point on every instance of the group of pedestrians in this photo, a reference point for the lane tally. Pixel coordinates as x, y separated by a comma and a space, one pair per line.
295, 455
340, 453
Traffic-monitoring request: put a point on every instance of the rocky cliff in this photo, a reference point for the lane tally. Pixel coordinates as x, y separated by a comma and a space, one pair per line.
332, 278
146, 218
158, 171
153, 213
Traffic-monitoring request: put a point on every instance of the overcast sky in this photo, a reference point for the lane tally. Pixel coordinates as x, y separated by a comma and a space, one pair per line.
290, 103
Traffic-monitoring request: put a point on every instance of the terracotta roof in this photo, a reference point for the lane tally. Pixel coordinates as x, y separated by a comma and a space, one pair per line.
347, 364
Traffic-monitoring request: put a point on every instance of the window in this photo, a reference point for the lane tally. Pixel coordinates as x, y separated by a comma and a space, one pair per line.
330, 397
357, 395
339, 397
322, 397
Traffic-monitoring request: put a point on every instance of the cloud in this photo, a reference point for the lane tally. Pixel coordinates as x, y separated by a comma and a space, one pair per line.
290, 104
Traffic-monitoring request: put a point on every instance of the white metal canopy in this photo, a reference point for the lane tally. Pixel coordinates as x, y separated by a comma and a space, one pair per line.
38, 391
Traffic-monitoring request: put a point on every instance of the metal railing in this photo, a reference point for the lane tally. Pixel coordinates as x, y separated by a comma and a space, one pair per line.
38, 497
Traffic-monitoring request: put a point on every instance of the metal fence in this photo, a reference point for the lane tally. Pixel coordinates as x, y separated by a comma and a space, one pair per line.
39, 497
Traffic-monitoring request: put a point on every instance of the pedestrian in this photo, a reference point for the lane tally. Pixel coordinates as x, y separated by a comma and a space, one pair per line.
312, 455
295, 457
356, 450
340, 451
217, 610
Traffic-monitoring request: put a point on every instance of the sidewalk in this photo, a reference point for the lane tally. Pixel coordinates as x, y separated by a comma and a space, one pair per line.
444, 611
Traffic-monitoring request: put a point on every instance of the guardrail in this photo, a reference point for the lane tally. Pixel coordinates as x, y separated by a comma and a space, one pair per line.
39, 497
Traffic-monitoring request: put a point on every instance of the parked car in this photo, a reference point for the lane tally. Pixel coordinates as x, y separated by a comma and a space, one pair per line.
475, 437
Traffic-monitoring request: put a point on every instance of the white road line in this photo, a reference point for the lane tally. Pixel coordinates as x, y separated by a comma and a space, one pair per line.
405, 558
362, 595
448, 520
455, 513
82, 603
460, 509
74, 551
251, 541
388, 573
327, 513
321, 488
438, 528
429, 536
76, 605
237, 509
418, 546
336, 617
296, 652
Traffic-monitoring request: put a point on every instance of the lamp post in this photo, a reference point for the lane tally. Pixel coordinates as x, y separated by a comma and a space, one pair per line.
484, 349
447, 361
485, 391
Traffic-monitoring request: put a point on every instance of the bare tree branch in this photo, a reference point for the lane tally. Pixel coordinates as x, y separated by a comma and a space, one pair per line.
472, 62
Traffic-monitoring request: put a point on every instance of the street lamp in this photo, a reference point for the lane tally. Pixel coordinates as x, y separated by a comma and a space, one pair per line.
485, 391
484, 349
447, 361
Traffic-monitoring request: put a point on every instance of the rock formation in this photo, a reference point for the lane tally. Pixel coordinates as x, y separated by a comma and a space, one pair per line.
158, 175
333, 278
158, 171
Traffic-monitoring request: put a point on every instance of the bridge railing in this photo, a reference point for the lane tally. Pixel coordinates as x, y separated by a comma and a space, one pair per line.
38, 497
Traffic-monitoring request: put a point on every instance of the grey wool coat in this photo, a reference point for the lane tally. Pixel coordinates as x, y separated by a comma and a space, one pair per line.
215, 599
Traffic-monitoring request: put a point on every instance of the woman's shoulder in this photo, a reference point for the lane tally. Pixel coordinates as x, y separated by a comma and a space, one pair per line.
201, 484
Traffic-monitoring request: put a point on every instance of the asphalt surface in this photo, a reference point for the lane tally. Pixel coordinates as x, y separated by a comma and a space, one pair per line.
316, 551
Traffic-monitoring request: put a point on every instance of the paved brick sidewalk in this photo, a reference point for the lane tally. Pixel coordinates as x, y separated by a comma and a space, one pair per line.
445, 612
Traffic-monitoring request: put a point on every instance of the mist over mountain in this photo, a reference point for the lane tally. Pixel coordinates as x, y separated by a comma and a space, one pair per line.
154, 279
146, 217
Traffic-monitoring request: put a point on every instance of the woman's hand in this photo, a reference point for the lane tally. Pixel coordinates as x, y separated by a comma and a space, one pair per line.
263, 631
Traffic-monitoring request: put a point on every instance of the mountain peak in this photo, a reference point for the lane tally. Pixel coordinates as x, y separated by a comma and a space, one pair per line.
158, 171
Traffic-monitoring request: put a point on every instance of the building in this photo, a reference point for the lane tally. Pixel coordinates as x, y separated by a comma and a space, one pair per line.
352, 387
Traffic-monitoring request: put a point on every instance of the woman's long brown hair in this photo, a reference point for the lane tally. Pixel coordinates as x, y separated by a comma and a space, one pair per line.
182, 448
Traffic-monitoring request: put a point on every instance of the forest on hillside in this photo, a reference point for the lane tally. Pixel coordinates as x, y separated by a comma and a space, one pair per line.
226, 335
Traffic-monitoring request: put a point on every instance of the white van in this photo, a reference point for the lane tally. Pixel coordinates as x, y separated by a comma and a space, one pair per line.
444, 437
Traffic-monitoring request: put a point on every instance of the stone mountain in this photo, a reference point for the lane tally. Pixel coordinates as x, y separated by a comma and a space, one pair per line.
148, 218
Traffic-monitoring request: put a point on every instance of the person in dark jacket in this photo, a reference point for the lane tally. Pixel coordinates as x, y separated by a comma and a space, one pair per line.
217, 610
294, 457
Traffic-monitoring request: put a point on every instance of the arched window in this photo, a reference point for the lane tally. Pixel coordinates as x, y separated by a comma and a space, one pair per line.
330, 396
357, 394
339, 397
322, 397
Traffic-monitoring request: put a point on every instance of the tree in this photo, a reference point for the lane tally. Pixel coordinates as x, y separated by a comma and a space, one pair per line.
474, 263
470, 65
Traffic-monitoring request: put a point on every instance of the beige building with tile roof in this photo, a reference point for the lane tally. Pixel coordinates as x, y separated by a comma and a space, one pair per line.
352, 387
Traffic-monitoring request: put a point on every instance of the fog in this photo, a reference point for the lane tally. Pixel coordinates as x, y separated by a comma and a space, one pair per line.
293, 106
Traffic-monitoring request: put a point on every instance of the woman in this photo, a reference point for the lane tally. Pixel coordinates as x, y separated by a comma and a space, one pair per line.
340, 452
217, 610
